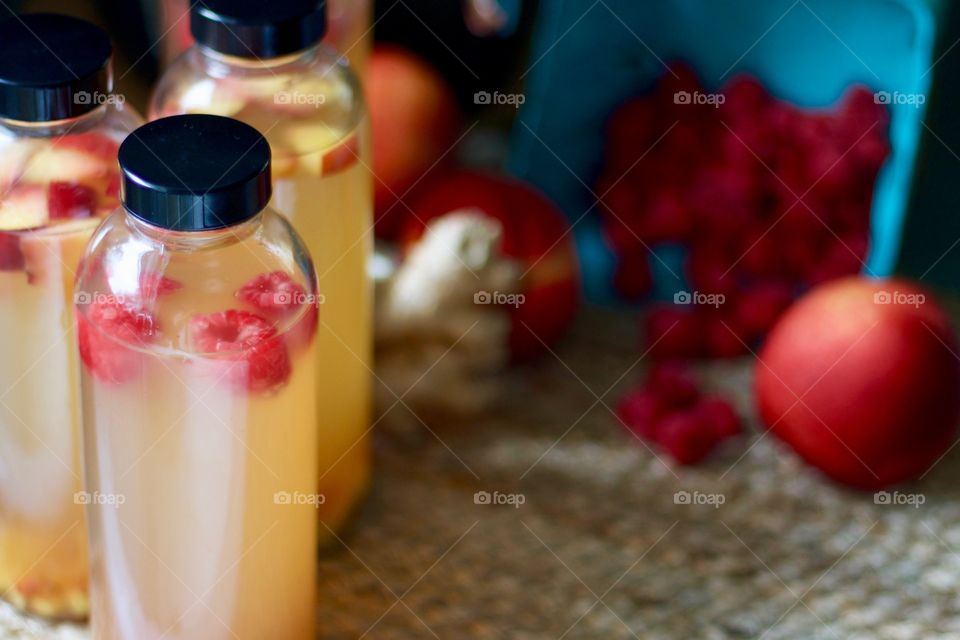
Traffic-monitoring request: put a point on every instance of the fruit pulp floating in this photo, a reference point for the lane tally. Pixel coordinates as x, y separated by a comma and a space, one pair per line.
200, 422
58, 178
309, 106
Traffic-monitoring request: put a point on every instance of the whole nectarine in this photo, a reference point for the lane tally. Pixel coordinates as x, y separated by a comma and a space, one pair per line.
861, 378
415, 120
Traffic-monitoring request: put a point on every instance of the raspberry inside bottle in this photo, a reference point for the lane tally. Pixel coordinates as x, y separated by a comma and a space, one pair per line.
60, 128
197, 334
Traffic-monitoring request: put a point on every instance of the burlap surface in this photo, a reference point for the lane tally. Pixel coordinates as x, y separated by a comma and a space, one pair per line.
601, 549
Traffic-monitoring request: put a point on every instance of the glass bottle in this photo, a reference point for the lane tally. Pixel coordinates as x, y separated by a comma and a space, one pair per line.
197, 336
60, 128
263, 64
350, 31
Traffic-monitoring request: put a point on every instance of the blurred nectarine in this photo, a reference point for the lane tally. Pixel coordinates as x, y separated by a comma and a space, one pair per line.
415, 120
861, 378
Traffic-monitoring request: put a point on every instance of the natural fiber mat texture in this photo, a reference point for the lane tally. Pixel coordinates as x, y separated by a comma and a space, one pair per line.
600, 547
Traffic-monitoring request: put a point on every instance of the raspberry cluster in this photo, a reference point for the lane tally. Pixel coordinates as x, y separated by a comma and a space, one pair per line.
670, 411
766, 199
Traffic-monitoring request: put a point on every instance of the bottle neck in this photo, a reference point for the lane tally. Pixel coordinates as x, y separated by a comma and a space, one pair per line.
196, 240
50, 128
219, 64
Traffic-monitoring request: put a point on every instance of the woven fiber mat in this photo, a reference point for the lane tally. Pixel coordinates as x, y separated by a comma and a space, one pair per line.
591, 539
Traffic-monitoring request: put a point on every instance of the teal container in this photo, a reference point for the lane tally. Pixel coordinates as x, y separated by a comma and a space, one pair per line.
589, 57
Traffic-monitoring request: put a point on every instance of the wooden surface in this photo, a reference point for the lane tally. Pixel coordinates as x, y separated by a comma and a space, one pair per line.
601, 549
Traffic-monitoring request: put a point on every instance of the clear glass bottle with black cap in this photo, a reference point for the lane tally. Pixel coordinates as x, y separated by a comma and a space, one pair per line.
197, 338
60, 127
261, 62
350, 30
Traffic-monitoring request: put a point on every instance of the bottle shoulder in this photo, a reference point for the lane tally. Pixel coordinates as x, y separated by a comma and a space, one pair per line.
311, 88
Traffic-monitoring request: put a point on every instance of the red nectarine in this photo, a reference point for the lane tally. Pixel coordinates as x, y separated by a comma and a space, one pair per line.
415, 119
861, 378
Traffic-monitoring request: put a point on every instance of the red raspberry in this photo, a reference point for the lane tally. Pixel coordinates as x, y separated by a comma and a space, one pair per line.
761, 254
630, 131
244, 348
720, 414
859, 109
688, 436
843, 258
710, 270
633, 279
641, 412
759, 306
273, 293
672, 333
108, 335
674, 384
870, 154
724, 338
746, 98
278, 297
666, 219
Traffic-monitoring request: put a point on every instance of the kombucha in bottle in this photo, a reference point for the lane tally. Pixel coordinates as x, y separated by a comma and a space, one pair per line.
60, 128
263, 63
196, 320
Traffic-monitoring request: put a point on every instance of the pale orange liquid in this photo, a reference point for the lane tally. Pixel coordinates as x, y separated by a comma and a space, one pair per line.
200, 547
43, 557
323, 185
333, 214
